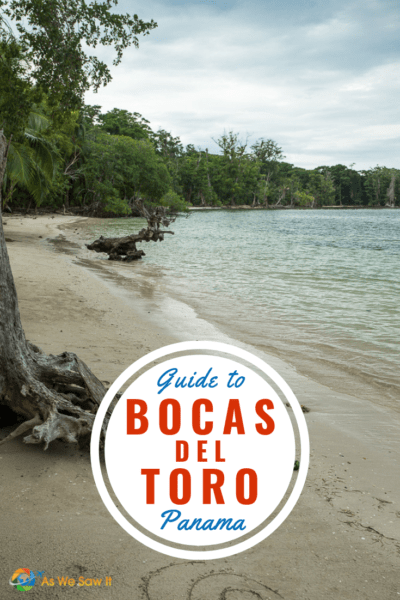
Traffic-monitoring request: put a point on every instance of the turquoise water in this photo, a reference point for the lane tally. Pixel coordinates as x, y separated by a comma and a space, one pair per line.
318, 287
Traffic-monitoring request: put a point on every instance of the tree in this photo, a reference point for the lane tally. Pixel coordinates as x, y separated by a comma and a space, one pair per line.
122, 122
267, 150
347, 183
32, 162
195, 178
170, 149
51, 34
124, 249
56, 395
118, 168
391, 190
262, 191
69, 138
236, 176
174, 203
321, 187
268, 153
294, 190
380, 185
305, 199
166, 145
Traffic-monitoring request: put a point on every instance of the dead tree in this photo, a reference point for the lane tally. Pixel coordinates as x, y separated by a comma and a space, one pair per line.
390, 192
57, 396
124, 249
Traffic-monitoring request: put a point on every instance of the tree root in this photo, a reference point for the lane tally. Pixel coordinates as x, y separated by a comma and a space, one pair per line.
23, 428
58, 395
62, 427
124, 249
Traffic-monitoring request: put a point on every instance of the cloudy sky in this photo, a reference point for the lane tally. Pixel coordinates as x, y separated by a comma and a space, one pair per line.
320, 77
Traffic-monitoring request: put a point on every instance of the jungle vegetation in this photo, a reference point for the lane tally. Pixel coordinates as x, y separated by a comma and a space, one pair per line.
71, 157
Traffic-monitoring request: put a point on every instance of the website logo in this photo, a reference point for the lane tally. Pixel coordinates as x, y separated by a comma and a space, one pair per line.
23, 580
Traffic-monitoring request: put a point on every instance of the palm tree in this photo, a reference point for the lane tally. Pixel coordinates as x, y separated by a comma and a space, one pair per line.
32, 162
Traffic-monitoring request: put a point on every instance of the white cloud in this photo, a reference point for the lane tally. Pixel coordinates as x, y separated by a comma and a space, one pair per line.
325, 89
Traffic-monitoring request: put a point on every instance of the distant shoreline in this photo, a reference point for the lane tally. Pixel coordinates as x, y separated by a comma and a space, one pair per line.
47, 212
246, 207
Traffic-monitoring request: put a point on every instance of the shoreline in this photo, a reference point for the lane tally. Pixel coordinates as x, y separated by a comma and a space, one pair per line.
327, 548
319, 362
78, 215
248, 207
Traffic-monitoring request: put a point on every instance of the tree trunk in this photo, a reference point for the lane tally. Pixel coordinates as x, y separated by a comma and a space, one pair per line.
265, 197
282, 196
124, 249
291, 198
390, 192
378, 190
256, 201
56, 395
208, 174
9, 194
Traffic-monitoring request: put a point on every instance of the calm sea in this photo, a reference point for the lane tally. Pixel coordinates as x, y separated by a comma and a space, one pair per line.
318, 288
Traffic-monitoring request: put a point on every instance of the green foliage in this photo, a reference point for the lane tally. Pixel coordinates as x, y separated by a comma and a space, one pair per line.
46, 63
91, 164
377, 182
64, 156
90, 115
118, 168
305, 199
17, 93
52, 35
269, 155
174, 202
166, 145
348, 184
195, 174
32, 162
122, 122
170, 149
321, 187
267, 151
63, 152
235, 174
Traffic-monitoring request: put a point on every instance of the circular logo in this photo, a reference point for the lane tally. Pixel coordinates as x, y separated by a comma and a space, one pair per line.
23, 580
200, 450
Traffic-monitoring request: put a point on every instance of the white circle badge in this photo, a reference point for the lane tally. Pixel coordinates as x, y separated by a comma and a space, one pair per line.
199, 451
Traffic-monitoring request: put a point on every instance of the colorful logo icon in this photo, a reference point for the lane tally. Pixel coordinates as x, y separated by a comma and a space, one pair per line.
23, 580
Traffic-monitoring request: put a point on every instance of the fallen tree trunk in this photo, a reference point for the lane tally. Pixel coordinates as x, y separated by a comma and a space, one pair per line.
124, 249
57, 396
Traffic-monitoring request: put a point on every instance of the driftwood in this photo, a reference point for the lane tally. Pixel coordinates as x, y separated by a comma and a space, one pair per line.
56, 396
124, 249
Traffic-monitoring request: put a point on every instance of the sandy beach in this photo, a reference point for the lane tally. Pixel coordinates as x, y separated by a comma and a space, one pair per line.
342, 540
